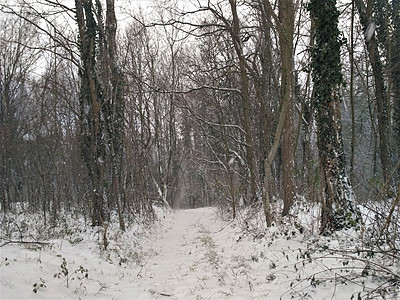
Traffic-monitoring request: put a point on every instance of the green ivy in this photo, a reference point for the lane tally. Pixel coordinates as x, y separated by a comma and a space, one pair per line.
325, 54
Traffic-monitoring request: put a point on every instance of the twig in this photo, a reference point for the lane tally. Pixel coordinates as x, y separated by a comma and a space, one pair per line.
223, 227
160, 293
389, 217
141, 269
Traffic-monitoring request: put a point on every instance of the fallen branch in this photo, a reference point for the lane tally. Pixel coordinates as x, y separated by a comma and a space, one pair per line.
24, 242
160, 293
223, 227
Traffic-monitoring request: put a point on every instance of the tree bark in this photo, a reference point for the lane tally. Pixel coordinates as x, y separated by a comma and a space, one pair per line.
351, 54
101, 106
91, 129
395, 77
327, 79
365, 14
246, 101
286, 16
284, 130
116, 98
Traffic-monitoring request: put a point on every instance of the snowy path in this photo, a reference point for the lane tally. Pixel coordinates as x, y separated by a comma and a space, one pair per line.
200, 257
186, 247
193, 254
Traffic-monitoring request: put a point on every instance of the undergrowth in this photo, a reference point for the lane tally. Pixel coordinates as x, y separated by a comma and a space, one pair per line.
367, 257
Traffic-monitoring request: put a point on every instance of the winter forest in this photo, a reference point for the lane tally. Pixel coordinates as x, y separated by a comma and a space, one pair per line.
200, 149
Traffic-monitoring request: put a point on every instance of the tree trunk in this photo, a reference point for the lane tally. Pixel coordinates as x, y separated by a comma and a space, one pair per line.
327, 79
117, 108
90, 105
353, 134
380, 89
286, 16
284, 129
395, 77
246, 102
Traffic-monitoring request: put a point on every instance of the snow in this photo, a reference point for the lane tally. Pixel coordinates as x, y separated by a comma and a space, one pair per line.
187, 254
369, 32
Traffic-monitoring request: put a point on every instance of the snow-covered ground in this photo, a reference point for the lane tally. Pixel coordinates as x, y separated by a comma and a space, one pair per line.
191, 254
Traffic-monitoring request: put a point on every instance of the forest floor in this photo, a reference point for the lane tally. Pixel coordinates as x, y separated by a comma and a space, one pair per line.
189, 254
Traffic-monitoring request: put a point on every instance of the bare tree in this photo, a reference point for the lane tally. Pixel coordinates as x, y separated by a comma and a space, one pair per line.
101, 106
16, 63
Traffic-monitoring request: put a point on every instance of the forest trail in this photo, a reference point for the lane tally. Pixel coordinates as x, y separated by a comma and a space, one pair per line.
200, 256
187, 256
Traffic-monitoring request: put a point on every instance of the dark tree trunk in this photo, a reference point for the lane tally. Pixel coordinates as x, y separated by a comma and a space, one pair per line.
326, 70
365, 14
286, 16
246, 102
113, 85
395, 67
90, 105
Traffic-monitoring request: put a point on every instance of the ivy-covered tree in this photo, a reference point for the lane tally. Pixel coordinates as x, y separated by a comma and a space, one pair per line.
338, 199
101, 107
